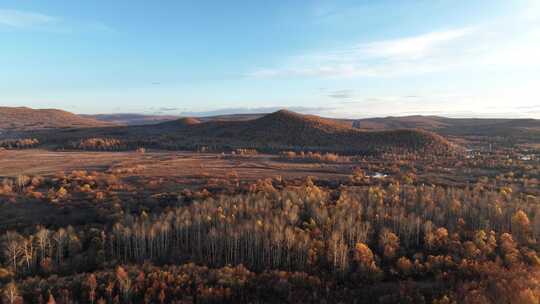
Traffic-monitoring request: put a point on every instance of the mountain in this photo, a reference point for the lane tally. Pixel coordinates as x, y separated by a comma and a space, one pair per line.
246, 117
285, 130
282, 130
128, 119
145, 119
288, 130
25, 119
516, 129
131, 119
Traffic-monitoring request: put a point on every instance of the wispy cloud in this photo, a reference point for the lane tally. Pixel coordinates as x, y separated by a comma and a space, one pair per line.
24, 19
27, 20
341, 94
168, 109
470, 47
417, 54
413, 47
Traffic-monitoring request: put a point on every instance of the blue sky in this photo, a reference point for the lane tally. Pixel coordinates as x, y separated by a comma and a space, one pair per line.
333, 58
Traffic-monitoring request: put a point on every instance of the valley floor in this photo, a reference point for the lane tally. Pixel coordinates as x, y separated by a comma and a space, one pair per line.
172, 164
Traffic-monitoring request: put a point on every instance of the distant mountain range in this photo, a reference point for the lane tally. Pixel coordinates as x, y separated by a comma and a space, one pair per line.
279, 130
443, 125
282, 130
518, 129
128, 119
131, 119
509, 128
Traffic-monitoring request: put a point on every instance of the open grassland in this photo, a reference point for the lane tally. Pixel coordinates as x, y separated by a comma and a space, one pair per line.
164, 164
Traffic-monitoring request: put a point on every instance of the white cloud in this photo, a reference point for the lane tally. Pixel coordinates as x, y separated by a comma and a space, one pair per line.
511, 43
413, 47
24, 19
523, 52
418, 54
532, 10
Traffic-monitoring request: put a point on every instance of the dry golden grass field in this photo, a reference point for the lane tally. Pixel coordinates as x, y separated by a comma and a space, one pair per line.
181, 167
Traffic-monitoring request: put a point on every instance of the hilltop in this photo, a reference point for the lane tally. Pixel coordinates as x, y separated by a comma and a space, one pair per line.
286, 129
26, 119
184, 121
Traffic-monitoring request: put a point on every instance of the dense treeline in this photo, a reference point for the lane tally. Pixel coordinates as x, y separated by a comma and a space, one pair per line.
356, 236
100, 144
314, 157
23, 143
190, 283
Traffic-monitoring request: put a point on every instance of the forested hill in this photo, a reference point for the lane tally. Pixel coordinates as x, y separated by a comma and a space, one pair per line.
25, 119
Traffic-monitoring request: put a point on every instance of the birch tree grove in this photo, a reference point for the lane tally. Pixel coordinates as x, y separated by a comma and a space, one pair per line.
293, 229
357, 234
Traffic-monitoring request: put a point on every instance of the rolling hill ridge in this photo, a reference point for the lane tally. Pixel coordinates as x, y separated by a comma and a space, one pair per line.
282, 130
515, 129
131, 119
26, 119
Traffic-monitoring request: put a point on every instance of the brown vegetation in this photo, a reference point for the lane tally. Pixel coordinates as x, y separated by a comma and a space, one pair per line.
99, 144
23, 143
314, 157
274, 132
24, 119
500, 130
367, 239
130, 119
